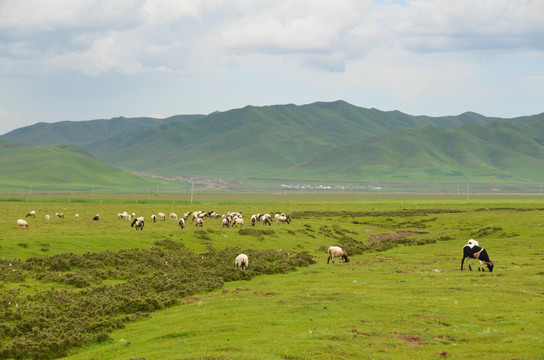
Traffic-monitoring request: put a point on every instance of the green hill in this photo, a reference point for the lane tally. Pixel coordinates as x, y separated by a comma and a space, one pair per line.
499, 152
63, 167
85, 132
256, 140
321, 141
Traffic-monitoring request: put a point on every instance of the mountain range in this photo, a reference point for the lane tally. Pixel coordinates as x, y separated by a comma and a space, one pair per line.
320, 141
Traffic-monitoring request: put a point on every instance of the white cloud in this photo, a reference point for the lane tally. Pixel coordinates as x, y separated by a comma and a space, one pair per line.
391, 53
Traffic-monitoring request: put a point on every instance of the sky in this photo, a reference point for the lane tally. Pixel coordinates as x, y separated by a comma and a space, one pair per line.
98, 59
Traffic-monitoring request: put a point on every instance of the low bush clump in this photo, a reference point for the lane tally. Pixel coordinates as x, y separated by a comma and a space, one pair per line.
47, 324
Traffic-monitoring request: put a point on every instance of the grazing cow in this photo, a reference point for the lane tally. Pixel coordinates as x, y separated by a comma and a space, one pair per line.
474, 251
337, 252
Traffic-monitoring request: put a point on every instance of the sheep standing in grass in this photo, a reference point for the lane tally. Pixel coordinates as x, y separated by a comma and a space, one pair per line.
237, 221
31, 213
225, 221
199, 222
23, 223
154, 218
162, 216
59, 215
241, 261
284, 218
181, 223
173, 216
138, 223
47, 217
337, 252
254, 219
96, 217
266, 219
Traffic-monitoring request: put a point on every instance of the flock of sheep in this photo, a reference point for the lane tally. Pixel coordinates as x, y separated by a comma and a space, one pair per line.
471, 250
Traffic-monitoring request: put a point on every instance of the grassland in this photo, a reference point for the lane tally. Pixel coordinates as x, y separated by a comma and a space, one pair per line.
401, 295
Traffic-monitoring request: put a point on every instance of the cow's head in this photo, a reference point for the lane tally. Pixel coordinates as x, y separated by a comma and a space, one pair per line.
490, 265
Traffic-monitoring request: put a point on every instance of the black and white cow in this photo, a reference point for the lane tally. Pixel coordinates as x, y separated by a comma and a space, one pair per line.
472, 250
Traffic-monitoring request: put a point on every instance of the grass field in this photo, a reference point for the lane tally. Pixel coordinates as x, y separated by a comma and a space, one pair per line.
401, 296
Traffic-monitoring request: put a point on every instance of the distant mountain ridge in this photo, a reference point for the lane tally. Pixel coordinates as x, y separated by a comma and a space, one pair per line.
323, 140
85, 132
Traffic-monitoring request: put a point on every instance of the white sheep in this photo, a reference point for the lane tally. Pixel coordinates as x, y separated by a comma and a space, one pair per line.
173, 216
24, 224
266, 219
181, 223
31, 213
225, 221
237, 221
284, 218
77, 216
241, 261
59, 215
336, 251
138, 223
162, 216
199, 222
47, 217
255, 218
154, 218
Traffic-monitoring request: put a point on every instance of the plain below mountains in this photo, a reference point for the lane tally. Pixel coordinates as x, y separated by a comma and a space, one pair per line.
320, 141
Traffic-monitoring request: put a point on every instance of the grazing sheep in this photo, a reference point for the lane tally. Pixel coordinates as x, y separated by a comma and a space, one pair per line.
173, 216
77, 216
472, 250
154, 218
181, 223
266, 219
47, 217
162, 216
23, 223
138, 223
96, 217
31, 213
199, 222
225, 221
336, 251
254, 219
241, 261
59, 215
237, 221
284, 218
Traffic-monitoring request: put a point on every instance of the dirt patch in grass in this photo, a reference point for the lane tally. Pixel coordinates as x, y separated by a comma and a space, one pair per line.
410, 339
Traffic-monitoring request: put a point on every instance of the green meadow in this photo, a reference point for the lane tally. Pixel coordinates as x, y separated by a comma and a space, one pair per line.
83, 289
